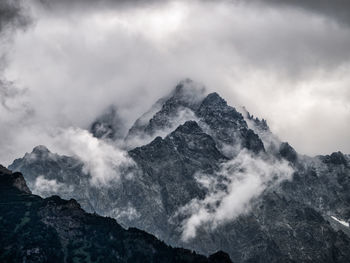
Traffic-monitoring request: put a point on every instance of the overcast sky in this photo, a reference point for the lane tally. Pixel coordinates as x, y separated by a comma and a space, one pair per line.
63, 62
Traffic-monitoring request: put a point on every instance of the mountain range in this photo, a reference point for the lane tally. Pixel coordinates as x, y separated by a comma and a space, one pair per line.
204, 176
34, 229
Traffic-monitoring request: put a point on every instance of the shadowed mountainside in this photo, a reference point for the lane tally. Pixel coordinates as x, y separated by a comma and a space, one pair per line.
55, 230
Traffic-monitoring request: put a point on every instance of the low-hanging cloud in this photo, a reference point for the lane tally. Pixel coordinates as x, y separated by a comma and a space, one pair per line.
127, 213
180, 117
231, 191
188, 93
104, 162
82, 59
46, 187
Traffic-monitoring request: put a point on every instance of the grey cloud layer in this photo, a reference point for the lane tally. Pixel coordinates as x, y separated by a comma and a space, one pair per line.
93, 4
294, 74
11, 14
338, 10
13, 17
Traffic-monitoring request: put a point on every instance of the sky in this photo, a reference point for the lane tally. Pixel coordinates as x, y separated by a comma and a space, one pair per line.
63, 62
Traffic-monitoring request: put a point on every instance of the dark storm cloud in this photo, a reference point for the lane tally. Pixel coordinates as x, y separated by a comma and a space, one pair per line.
12, 15
91, 4
336, 9
339, 10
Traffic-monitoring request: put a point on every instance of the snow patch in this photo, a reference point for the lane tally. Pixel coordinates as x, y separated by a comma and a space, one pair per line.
340, 221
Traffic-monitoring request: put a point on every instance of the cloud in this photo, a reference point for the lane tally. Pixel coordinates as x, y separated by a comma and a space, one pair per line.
339, 10
165, 116
82, 59
181, 116
12, 15
127, 213
94, 4
9, 96
45, 187
231, 191
12, 18
105, 162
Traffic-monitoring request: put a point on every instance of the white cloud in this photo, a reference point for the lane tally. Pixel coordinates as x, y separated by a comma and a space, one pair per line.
103, 161
231, 191
127, 213
45, 187
181, 116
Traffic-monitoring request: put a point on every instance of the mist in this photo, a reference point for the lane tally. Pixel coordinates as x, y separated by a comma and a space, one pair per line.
231, 191
67, 62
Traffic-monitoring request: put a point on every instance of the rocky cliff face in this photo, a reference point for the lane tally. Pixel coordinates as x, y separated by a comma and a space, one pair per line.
227, 125
217, 179
55, 230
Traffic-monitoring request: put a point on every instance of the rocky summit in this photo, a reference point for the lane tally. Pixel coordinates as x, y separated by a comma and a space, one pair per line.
210, 177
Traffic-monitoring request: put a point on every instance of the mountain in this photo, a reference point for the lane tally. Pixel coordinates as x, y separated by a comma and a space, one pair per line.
208, 178
188, 102
51, 174
227, 125
56, 230
167, 113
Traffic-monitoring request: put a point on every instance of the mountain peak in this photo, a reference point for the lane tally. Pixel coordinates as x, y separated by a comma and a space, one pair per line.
189, 127
189, 102
214, 99
228, 125
38, 153
175, 109
41, 150
215, 111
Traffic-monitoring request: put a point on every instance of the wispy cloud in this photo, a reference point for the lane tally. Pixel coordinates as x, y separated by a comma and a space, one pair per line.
231, 191
45, 187
105, 162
